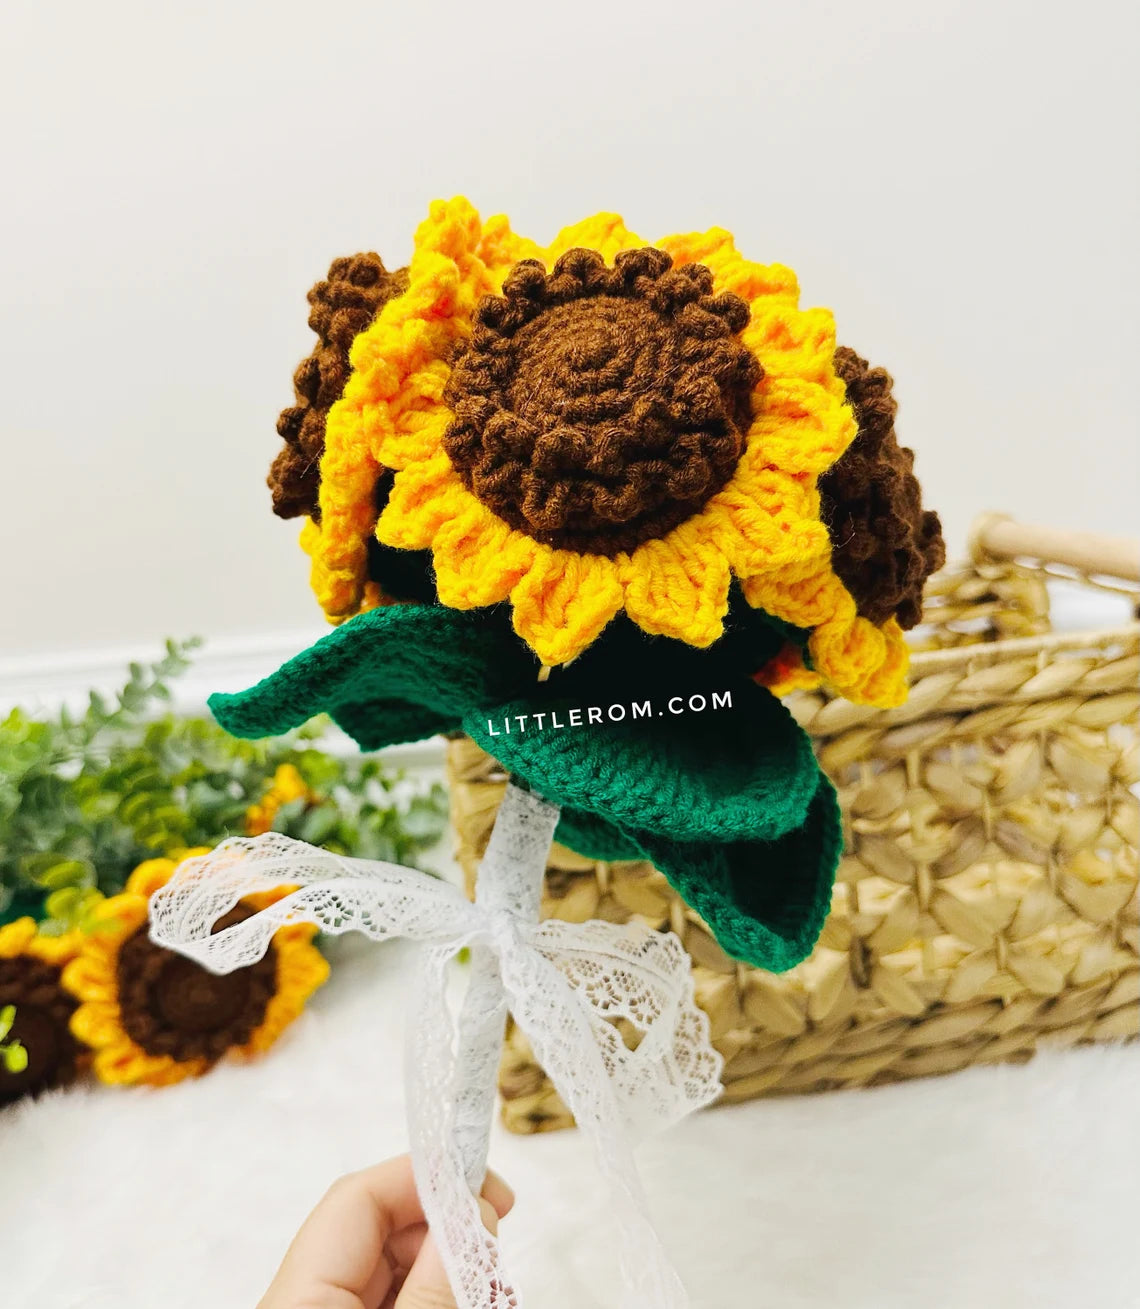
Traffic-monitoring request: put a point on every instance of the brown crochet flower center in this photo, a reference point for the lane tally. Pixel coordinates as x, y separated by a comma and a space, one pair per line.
884, 544
172, 1006
597, 408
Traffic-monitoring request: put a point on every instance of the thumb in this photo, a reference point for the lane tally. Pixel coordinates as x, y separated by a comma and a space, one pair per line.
426, 1286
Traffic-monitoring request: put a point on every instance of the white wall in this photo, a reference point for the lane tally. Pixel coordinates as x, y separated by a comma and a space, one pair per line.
958, 181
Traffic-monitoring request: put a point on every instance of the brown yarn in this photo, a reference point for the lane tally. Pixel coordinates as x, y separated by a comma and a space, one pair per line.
170, 1005
343, 305
596, 408
43, 1015
883, 544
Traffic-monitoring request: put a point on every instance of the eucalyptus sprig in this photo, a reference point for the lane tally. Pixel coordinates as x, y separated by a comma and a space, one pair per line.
85, 798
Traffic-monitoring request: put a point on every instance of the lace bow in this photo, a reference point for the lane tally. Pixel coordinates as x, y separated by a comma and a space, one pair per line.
565, 984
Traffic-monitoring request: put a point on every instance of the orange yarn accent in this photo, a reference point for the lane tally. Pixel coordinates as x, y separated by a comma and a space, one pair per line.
786, 672
763, 526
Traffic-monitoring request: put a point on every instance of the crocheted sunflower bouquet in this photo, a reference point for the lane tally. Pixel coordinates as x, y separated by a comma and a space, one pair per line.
596, 505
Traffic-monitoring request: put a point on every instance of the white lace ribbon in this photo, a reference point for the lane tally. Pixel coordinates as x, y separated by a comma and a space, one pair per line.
567, 985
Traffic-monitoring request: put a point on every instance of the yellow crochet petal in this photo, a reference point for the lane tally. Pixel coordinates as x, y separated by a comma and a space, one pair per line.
338, 592
114, 1061
800, 428
888, 685
301, 968
864, 663
678, 586
717, 250
795, 679
564, 602
764, 519
793, 342
348, 469
96, 1023
479, 558
116, 918
16, 936
23, 937
424, 497
91, 977
605, 233
803, 593
348, 480
391, 413
149, 876
699, 247
417, 437
452, 228
500, 248
126, 1064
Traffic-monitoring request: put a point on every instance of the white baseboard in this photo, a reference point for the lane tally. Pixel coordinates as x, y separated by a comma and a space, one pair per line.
43, 683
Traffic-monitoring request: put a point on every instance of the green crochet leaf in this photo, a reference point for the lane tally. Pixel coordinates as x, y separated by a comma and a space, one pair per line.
729, 803
765, 901
740, 774
399, 673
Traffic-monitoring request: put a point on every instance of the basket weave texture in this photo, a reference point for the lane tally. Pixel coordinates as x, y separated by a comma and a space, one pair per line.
986, 902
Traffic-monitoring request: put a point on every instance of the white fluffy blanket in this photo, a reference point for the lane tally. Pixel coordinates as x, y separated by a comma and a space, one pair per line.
992, 1189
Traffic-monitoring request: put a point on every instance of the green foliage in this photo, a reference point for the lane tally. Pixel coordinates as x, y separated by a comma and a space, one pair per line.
84, 799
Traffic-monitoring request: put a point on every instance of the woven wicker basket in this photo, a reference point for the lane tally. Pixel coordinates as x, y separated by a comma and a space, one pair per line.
986, 903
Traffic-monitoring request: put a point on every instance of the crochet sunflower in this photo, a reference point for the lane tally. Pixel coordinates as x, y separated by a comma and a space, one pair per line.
593, 472
31, 965
153, 1017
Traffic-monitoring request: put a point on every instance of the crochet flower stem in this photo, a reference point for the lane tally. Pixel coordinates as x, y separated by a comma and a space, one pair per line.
509, 884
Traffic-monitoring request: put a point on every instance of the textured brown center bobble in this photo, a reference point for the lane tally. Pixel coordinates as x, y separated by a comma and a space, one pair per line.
43, 1014
343, 305
172, 1006
596, 408
884, 545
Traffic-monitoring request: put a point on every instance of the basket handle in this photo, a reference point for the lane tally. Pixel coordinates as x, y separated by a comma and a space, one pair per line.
997, 536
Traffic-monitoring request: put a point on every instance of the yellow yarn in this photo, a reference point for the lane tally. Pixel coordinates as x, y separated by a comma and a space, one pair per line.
92, 976
287, 785
763, 526
22, 936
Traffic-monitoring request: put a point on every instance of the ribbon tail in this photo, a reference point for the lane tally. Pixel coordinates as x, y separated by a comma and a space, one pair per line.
333, 893
470, 1253
509, 881
482, 1022
564, 1042
644, 980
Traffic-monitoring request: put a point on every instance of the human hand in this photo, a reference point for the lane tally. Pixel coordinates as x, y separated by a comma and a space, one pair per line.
367, 1246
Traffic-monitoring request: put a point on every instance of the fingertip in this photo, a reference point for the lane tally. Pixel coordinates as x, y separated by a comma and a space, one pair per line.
426, 1283
489, 1215
499, 1193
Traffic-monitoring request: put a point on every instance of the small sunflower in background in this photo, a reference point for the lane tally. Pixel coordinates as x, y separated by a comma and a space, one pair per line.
38, 1010
154, 1017
287, 785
